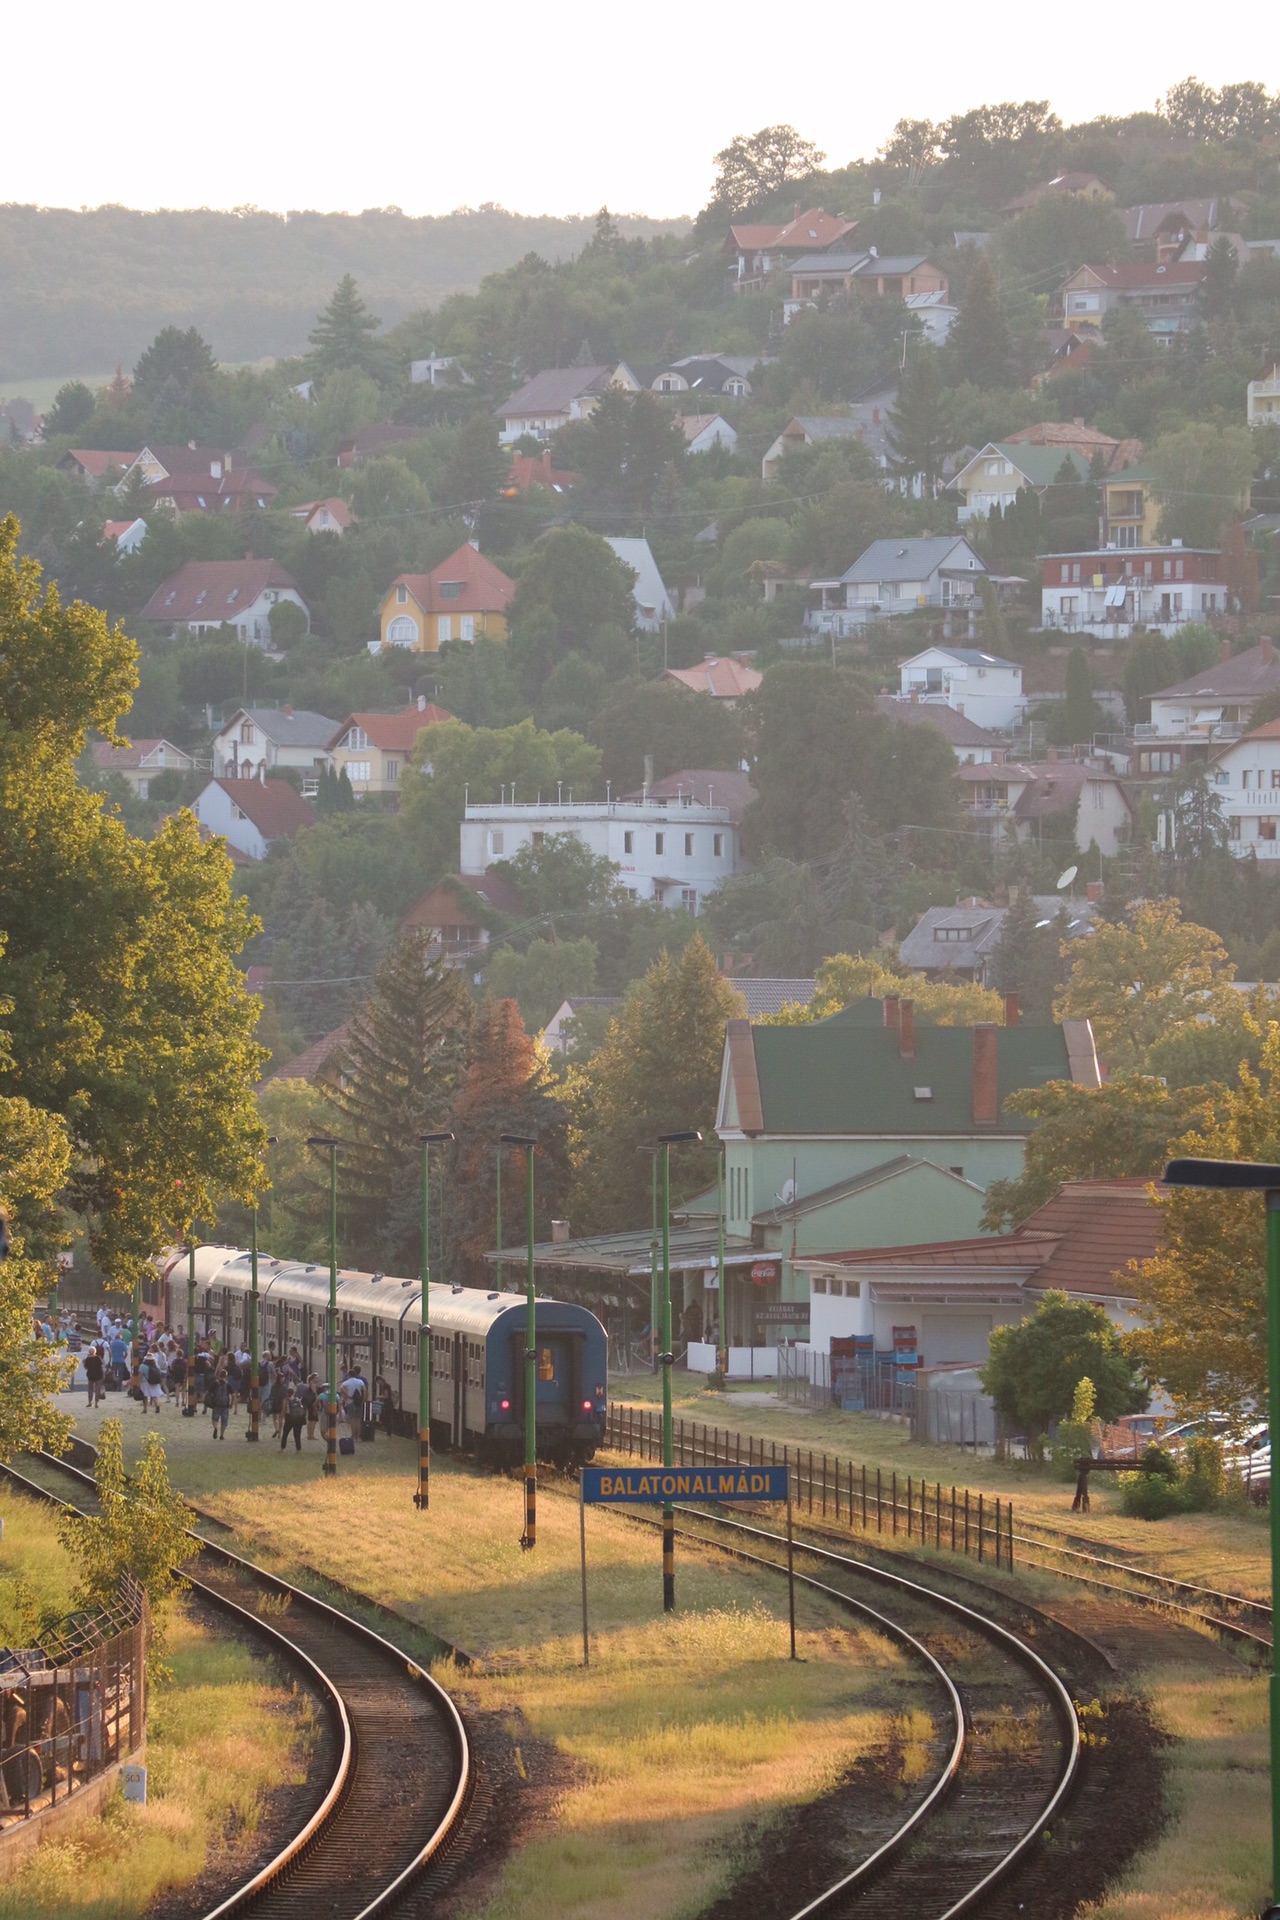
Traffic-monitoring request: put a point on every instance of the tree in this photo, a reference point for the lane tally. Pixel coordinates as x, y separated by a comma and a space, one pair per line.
1035, 1367
921, 430
176, 370
451, 759
561, 875
1140, 981
72, 409
815, 728
667, 722
140, 1529
477, 466
754, 166
35, 1153
342, 339
1150, 665
846, 978
978, 348
573, 595
913, 144
1078, 707
1204, 1294
1201, 478
1218, 288
397, 1075
289, 625
657, 1072
1117, 1131
546, 974
507, 1090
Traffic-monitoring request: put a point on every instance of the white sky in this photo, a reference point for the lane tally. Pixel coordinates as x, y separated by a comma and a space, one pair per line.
545, 109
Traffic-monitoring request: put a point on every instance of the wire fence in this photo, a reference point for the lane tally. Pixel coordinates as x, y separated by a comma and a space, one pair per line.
865, 1499
73, 1707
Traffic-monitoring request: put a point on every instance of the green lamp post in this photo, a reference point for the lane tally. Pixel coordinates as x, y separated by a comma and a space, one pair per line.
666, 1141
189, 1411
1249, 1176
255, 1376
529, 1539
422, 1498
331, 1416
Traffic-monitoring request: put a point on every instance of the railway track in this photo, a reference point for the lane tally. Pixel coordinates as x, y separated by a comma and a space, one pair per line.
1012, 1753
401, 1773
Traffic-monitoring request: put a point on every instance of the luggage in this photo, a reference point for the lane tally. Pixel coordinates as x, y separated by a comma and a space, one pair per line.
346, 1444
367, 1429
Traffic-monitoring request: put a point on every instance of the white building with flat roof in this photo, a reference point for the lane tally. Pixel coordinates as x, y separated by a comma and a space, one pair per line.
672, 852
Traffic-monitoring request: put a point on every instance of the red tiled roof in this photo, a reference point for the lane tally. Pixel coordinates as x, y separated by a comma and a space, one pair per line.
810, 231
721, 676
214, 590
1099, 1227
111, 757
526, 471
484, 588
338, 507
311, 1064
96, 463
393, 732
276, 809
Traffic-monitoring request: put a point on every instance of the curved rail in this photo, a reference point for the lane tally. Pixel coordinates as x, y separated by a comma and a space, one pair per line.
314, 1832
1049, 1682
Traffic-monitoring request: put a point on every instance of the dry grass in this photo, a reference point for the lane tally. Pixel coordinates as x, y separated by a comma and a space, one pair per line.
219, 1739
1213, 1860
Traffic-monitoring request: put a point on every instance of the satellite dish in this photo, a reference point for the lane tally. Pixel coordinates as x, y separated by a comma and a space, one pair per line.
788, 1193
1065, 879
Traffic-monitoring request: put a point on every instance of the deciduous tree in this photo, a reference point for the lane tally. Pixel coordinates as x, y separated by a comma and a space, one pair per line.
754, 166
1035, 1367
452, 759
1140, 980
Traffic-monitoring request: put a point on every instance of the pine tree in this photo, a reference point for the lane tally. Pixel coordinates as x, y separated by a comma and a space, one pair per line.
507, 1090
978, 346
398, 1074
343, 335
1077, 708
1218, 288
921, 424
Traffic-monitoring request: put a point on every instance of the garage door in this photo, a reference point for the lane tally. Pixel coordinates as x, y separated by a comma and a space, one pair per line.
955, 1336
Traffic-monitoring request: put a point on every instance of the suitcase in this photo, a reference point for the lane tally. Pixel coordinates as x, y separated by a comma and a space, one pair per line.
346, 1444
367, 1429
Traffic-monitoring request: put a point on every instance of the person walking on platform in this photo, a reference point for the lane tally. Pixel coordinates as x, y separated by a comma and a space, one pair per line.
292, 1418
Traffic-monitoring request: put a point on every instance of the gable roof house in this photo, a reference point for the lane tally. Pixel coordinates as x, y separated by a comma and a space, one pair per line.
464, 598
1165, 226
140, 762
253, 814
724, 676
1212, 706
194, 479
910, 277
332, 515
1084, 186
961, 943
458, 914
725, 375
972, 745
550, 400
998, 472
253, 741
204, 595
753, 248
654, 605
897, 576
1166, 295
372, 748
1017, 802
703, 431
95, 467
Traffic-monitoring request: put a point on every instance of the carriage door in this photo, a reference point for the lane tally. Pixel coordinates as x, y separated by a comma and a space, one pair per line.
459, 1385
555, 1375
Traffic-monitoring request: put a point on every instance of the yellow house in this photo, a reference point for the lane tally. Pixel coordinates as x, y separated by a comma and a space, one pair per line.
464, 598
372, 748
1130, 509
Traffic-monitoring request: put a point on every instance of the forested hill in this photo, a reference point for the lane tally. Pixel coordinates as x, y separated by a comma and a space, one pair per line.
81, 291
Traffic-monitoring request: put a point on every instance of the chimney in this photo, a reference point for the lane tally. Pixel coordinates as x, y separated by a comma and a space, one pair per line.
891, 1009
906, 1029
986, 1081
422, 703
289, 713
1224, 652
1267, 649
1093, 890
559, 1233
1012, 1011
1051, 755
474, 543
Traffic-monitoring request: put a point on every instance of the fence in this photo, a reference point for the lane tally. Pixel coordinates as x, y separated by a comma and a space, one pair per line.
73, 1707
943, 1416
863, 1498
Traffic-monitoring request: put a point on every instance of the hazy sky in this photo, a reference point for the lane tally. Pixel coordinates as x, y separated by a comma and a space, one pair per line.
544, 108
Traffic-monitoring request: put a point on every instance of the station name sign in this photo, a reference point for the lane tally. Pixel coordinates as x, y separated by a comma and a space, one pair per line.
636, 1486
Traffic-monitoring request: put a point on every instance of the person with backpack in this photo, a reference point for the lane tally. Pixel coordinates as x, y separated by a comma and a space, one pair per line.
177, 1375
292, 1417
93, 1374
152, 1384
217, 1400
310, 1397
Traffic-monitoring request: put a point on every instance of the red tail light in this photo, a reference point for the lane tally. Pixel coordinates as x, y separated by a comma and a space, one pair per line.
586, 1406
505, 1406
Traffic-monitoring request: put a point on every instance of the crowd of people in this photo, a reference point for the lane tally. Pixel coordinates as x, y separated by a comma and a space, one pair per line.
150, 1365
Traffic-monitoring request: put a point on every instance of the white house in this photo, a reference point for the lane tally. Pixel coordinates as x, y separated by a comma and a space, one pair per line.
1246, 781
126, 536
1214, 704
675, 854
551, 400
1263, 399
140, 762
979, 685
256, 740
206, 595
702, 431
438, 370
1110, 591
1022, 803
252, 814
897, 576
653, 603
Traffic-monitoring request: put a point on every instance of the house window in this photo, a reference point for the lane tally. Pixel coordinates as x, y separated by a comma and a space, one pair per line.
717, 845
1246, 779
392, 772
688, 846
358, 770
402, 631
1275, 776
1266, 829
538, 838
853, 1289
1233, 827
1064, 573
450, 589
1223, 779
628, 843
817, 1283
467, 626
659, 842
444, 629
495, 840
689, 899
357, 738
247, 735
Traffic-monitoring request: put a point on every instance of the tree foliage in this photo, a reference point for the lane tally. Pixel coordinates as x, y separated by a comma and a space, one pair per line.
755, 166
140, 1529
344, 336
1140, 980
1035, 1367
452, 760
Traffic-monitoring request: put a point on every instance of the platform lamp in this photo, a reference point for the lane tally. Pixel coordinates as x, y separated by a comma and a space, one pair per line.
255, 1377
529, 1538
422, 1498
331, 1420
1251, 1177
666, 1141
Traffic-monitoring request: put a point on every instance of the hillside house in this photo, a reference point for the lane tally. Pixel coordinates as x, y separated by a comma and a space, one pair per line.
526, 471
1130, 508
703, 431
551, 400
893, 577
1084, 186
372, 749
724, 376
1167, 296
369, 443
906, 277
1024, 803
465, 598
194, 479
257, 741
980, 685
972, 745
998, 472
815, 430
1262, 401
1108, 593
126, 536
252, 815
95, 467
724, 677
962, 943
754, 249
654, 605
1162, 228
204, 596
332, 515
140, 762
672, 853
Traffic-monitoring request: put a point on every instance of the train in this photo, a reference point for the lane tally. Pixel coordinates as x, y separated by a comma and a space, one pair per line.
477, 1359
